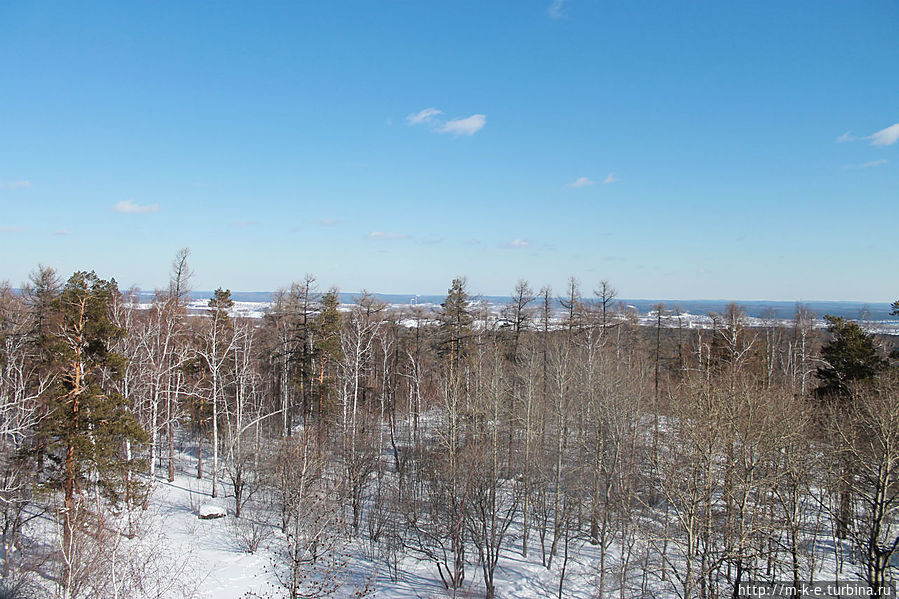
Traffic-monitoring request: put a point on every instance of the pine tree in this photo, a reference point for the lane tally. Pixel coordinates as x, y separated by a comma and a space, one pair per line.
455, 326
40, 293
219, 305
326, 341
306, 299
849, 356
89, 424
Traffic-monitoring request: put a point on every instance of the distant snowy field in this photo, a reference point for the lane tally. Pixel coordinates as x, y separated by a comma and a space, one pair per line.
671, 318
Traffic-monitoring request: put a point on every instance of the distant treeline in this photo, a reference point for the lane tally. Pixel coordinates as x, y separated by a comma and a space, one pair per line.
851, 310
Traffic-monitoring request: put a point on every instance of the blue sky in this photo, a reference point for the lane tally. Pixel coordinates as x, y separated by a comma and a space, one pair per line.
679, 150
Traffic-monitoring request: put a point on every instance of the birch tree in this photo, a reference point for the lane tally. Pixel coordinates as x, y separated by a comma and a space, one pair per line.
214, 352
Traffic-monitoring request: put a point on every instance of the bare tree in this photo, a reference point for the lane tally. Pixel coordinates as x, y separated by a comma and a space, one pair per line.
493, 498
867, 437
361, 329
217, 341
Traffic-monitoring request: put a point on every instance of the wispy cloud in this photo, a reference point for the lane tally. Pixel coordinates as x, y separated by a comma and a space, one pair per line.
62, 232
556, 10
884, 137
15, 184
423, 116
131, 207
242, 224
386, 236
610, 178
517, 244
11, 229
853, 167
330, 222
468, 125
464, 126
581, 182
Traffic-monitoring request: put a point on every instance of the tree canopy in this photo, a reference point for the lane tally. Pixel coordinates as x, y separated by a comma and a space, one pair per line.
849, 356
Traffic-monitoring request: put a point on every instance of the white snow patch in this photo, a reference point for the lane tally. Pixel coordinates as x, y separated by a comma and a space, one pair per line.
210, 511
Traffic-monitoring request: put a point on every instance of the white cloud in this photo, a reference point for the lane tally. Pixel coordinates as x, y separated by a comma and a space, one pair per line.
464, 126
581, 182
130, 207
866, 164
383, 235
330, 222
610, 178
244, 223
458, 126
886, 137
14, 184
62, 232
424, 116
11, 229
556, 10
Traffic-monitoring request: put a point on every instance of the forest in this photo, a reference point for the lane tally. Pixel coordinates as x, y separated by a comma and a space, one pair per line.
683, 461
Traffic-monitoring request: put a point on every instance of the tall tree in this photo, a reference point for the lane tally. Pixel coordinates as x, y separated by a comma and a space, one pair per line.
850, 357
328, 352
605, 296
455, 327
803, 334
89, 422
215, 349
179, 291
41, 291
449, 485
518, 316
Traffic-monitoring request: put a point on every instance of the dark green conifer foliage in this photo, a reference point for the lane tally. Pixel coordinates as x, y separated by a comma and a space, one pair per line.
89, 426
220, 303
327, 350
40, 294
41, 291
330, 323
850, 356
455, 325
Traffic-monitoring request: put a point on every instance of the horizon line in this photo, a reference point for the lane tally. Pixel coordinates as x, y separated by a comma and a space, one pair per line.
504, 296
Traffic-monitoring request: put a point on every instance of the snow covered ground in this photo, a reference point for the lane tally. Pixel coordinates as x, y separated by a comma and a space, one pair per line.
218, 568
225, 571
187, 556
